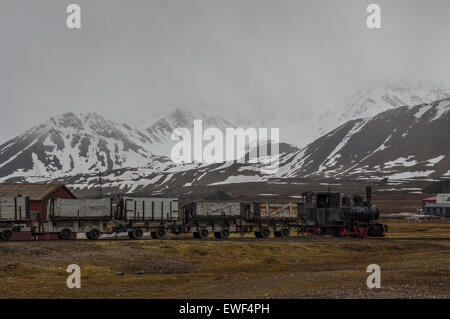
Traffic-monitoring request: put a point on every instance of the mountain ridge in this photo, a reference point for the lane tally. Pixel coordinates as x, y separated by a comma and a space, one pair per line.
403, 142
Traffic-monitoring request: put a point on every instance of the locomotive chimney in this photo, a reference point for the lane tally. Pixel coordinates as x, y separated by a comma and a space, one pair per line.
369, 195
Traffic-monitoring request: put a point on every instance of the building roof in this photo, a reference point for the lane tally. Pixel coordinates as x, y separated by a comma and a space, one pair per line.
34, 191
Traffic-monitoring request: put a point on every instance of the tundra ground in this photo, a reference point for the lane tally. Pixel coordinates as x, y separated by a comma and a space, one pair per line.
414, 259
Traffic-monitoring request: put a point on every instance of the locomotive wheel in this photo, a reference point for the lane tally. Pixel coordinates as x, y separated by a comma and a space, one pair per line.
285, 232
131, 235
336, 232
159, 234
138, 233
65, 234
203, 233
311, 231
265, 233
94, 234
258, 234
6, 235
224, 233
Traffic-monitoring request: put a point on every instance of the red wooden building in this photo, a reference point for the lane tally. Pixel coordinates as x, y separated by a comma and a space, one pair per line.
39, 195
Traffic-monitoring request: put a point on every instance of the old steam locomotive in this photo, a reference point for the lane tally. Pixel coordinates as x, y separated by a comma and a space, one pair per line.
332, 214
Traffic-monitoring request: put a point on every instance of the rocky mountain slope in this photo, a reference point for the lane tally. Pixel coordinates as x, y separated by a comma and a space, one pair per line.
405, 142
73, 144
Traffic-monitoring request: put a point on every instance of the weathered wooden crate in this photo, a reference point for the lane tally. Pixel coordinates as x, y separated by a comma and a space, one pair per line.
268, 210
14, 208
217, 209
149, 209
80, 208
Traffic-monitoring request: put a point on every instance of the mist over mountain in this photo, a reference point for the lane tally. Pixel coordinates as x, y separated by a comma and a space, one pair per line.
377, 98
379, 133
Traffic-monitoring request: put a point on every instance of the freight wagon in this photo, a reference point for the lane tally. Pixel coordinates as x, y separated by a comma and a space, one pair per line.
155, 215
281, 218
220, 218
224, 218
72, 216
14, 214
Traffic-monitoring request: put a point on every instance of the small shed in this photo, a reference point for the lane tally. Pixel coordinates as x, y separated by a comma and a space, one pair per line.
39, 195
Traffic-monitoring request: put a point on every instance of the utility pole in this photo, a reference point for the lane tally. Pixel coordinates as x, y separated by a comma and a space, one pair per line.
100, 186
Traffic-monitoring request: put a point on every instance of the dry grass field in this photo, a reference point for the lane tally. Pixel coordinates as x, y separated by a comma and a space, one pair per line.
414, 260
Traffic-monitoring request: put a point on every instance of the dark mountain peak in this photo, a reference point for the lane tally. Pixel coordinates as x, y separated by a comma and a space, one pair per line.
67, 120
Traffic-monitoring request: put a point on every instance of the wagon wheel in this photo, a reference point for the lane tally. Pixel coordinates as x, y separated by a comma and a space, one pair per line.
131, 235
258, 234
94, 234
6, 235
224, 233
160, 234
311, 230
138, 233
65, 234
217, 235
265, 233
285, 232
342, 231
204, 233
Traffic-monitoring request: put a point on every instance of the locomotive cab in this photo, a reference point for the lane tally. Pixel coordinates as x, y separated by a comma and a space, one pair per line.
327, 200
322, 200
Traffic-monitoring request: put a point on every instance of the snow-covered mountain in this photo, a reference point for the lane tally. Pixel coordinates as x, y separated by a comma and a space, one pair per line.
73, 144
371, 101
404, 143
398, 142
158, 128
401, 143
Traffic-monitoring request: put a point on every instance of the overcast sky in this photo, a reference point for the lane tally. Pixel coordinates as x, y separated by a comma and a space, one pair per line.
133, 58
